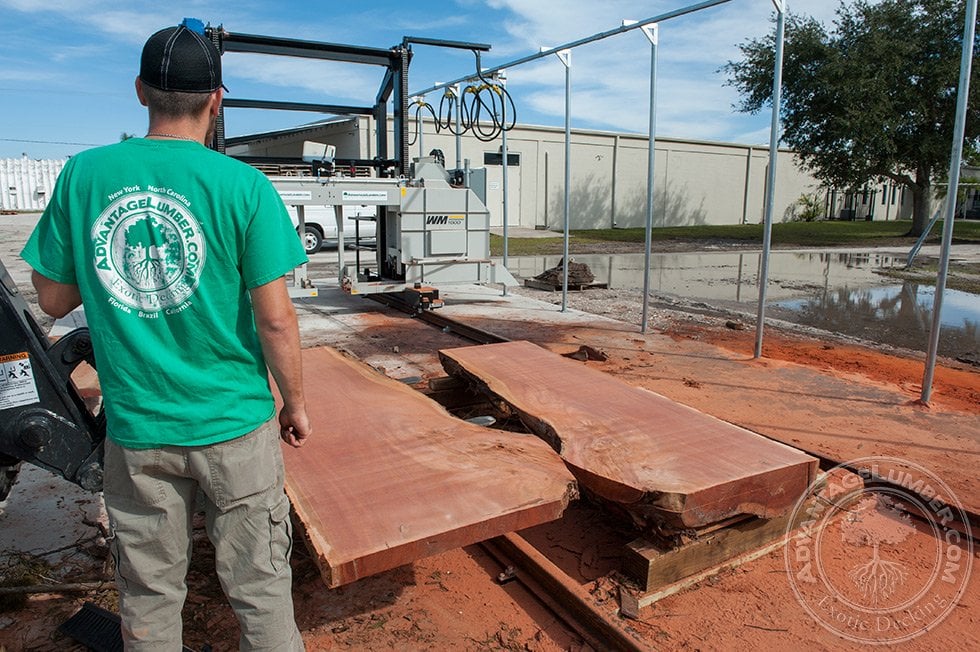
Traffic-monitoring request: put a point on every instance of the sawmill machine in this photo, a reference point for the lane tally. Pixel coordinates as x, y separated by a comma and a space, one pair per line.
432, 228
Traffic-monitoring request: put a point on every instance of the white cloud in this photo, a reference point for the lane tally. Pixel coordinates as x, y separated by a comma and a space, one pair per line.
71, 53
610, 77
331, 81
24, 74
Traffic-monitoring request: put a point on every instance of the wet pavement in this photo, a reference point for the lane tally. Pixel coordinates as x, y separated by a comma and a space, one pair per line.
900, 315
841, 291
838, 290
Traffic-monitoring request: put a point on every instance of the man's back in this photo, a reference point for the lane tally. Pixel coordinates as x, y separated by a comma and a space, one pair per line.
163, 238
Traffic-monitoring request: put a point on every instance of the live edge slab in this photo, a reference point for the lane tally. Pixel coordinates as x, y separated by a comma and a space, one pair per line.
389, 477
665, 463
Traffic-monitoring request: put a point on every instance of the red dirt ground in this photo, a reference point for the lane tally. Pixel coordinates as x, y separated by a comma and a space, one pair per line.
955, 387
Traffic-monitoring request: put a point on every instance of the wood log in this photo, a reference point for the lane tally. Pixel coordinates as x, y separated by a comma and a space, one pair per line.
663, 461
389, 476
578, 274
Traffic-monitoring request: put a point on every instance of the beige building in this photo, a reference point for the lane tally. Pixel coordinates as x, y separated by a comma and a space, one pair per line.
697, 182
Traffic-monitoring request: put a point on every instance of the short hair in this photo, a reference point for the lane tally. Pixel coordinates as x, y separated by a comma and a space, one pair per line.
174, 104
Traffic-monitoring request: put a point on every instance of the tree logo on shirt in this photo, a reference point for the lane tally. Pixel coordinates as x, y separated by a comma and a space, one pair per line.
149, 251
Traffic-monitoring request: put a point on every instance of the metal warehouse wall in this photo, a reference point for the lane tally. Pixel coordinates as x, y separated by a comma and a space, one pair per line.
26, 184
696, 182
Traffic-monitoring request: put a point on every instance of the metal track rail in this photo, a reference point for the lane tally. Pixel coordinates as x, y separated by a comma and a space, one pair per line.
445, 324
560, 593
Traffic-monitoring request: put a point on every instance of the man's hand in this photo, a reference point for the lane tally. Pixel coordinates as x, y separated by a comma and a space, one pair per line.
278, 331
294, 426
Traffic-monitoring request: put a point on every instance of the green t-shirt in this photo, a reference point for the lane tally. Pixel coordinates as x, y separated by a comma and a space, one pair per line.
163, 239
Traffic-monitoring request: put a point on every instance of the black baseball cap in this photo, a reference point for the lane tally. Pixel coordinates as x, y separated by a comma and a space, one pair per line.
180, 59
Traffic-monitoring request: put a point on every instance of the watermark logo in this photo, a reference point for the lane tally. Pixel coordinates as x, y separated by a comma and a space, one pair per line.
881, 555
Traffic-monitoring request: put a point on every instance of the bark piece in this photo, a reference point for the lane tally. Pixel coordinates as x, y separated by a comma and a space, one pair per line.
663, 461
578, 274
389, 476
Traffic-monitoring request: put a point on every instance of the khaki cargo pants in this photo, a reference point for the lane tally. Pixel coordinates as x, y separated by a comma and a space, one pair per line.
150, 498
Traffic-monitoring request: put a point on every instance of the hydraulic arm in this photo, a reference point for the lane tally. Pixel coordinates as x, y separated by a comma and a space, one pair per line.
43, 420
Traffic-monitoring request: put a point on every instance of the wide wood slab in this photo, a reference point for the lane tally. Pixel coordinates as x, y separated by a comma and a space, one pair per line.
389, 476
661, 460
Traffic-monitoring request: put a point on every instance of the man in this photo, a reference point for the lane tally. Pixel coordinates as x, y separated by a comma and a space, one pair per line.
178, 254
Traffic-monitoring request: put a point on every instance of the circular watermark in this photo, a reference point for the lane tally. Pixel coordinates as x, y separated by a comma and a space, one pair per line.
881, 554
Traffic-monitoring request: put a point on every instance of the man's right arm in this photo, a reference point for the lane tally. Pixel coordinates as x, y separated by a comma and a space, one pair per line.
275, 320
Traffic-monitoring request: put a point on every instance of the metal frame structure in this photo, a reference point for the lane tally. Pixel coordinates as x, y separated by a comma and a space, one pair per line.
777, 93
650, 28
394, 85
395, 82
388, 190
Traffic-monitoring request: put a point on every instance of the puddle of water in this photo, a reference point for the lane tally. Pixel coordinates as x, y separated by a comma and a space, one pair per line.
900, 315
835, 291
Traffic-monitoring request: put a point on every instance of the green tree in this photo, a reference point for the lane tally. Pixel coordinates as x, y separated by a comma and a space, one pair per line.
873, 97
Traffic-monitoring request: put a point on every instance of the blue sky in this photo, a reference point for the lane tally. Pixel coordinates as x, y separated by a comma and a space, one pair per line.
67, 66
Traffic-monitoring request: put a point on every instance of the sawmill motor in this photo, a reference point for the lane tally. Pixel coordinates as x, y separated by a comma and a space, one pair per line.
43, 419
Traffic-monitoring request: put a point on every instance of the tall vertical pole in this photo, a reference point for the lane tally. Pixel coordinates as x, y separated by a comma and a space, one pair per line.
956, 158
501, 78
400, 108
565, 56
652, 33
777, 91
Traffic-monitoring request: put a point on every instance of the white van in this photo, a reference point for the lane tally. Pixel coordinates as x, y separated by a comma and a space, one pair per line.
321, 225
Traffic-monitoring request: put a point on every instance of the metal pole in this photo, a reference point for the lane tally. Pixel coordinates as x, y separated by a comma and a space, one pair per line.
777, 90
565, 56
501, 78
652, 33
956, 157
545, 52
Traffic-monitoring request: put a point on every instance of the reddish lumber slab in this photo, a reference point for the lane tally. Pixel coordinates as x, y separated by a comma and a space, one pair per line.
660, 459
389, 476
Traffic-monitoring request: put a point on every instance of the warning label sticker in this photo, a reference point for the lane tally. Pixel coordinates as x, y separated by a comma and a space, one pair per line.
17, 385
